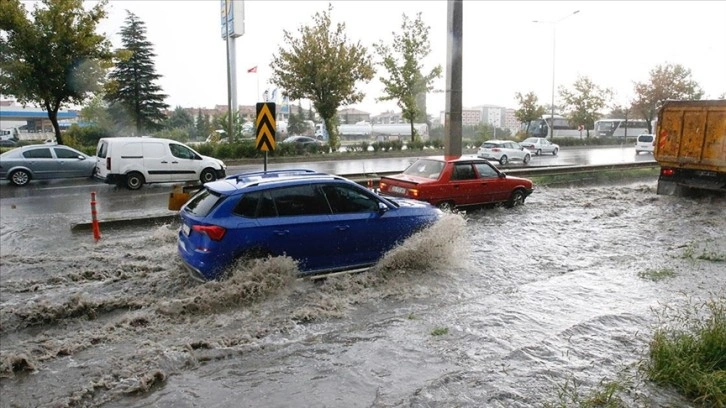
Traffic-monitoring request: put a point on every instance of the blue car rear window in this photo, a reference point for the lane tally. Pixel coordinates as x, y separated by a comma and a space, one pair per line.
203, 202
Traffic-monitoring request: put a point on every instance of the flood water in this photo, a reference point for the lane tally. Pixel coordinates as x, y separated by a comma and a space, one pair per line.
490, 308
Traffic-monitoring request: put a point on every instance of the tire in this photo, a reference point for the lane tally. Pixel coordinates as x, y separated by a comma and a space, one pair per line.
20, 178
503, 160
538, 152
134, 180
445, 206
554, 152
516, 199
207, 175
526, 159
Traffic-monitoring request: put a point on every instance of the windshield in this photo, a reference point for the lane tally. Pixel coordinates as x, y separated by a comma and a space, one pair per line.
605, 126
426, 168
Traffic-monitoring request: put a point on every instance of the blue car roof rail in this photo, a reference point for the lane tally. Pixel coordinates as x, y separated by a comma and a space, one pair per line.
258, 176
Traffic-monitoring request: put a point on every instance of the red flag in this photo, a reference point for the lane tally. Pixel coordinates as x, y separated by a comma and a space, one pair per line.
252, 70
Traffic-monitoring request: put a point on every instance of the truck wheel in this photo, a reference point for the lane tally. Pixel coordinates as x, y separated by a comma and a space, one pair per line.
207, 176
20, 178
134, 180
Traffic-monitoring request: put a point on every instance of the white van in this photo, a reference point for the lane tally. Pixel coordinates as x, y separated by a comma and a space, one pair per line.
645, 143
133, 161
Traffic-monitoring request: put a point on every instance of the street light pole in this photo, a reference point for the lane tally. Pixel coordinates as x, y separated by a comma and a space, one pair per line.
554, 40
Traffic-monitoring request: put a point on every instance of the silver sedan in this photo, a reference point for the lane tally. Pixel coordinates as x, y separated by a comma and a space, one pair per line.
44, 162
540, 145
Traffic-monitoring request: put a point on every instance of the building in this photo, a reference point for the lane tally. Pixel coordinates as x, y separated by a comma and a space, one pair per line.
353, 116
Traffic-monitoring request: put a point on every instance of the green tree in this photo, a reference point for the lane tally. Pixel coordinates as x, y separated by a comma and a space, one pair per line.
322, 66
296, 125
136, 100
221, 122
666, 82
54, 59
202, 125
584, 102
180, 119
529, 108
95, 112
403, 59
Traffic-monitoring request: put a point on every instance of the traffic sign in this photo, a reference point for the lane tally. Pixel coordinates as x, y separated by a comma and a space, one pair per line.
265, 126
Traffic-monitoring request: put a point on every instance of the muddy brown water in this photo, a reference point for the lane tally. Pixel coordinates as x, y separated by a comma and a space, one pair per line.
489, 308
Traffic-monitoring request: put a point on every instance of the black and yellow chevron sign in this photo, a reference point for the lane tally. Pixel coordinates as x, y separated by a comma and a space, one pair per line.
265, 126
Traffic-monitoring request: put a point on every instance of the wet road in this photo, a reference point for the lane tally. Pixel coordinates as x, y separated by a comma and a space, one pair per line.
492, 308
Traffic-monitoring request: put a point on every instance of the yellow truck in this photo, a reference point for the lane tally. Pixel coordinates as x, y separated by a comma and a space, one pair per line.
691, 146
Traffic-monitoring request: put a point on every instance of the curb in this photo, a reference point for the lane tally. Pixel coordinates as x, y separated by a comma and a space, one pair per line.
125, 222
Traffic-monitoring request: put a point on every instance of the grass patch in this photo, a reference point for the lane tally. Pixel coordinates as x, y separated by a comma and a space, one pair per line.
656, 275
690, 252
605, 395
691, 355
440, 331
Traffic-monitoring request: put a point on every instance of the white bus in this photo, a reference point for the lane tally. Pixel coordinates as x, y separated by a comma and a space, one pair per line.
620, 127
561, 127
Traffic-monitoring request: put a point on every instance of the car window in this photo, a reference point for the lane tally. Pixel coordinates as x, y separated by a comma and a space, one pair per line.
256, 204
299, 200
485, 170
63, 153
182, 151
463, 171
425, 168
203, 202
102, 149
43, 153
345, 199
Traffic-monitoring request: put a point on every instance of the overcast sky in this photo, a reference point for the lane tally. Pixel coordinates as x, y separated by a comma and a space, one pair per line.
614, 43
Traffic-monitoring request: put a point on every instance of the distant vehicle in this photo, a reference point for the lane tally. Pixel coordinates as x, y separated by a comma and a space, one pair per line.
7, 143
645, 143
134, 161
450, 182
540, 145
691, 146
379, 130
10, 134
620, 127
504, 151
326, 223
562, 127
44, 162
302, 141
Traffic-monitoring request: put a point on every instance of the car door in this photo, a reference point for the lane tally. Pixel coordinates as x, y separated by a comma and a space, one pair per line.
184, 164
466, 188
295, 221
361, 231
157, 161
495, 187
515, 151
41, 162
71, 163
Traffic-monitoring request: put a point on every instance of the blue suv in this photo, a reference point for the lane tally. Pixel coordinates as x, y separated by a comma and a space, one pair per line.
326, 223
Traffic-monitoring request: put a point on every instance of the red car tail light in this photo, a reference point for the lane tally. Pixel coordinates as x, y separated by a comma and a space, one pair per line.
668, 172
413, 192
108, 163
382, 185
495, 149
214, 232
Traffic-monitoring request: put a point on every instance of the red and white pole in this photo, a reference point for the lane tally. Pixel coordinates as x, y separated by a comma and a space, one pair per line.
94, 218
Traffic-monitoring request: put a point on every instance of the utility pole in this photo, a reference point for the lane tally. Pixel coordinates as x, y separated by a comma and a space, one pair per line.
452, 116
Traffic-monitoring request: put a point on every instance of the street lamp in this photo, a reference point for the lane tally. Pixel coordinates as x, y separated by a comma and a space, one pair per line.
554, 27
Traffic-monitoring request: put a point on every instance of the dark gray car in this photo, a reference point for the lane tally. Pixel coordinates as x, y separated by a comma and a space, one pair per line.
44, 162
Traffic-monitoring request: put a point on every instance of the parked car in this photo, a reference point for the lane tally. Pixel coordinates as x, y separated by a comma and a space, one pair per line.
43, 162
327, 223
449, 182
504, 151
134, 161
540, 145
645, 143
302, 141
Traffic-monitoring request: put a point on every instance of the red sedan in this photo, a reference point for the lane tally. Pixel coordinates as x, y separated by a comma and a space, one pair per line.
450, 182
